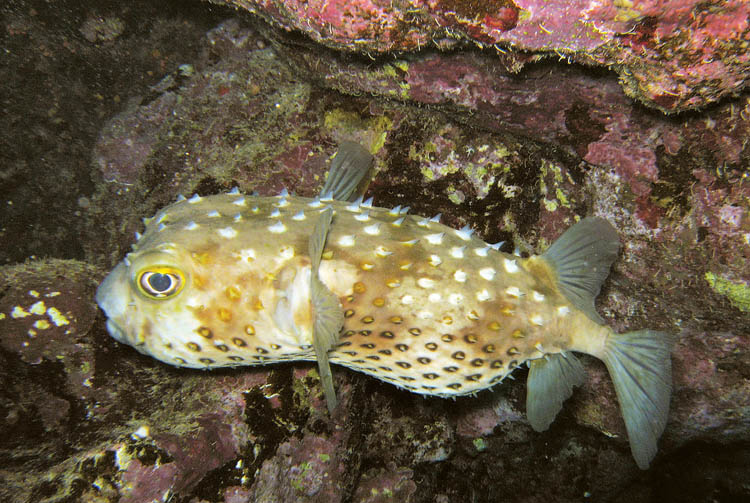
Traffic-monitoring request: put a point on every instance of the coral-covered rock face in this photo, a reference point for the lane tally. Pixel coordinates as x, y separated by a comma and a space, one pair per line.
672, 55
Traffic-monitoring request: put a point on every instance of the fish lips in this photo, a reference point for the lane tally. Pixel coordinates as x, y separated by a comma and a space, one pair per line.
112, 297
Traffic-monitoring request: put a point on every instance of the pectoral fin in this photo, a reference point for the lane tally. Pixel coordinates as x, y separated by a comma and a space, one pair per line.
328, 317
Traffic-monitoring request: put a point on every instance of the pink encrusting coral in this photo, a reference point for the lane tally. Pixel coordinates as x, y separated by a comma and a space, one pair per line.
670, 54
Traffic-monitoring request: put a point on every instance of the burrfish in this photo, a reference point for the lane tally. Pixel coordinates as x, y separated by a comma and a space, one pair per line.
232, 279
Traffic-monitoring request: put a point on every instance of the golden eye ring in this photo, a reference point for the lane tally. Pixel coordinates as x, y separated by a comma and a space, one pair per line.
160, 282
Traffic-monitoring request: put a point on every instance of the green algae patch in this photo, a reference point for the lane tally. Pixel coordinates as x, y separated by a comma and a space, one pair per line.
738, 293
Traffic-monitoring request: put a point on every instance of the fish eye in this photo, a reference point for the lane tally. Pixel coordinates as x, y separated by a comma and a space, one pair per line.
160, 282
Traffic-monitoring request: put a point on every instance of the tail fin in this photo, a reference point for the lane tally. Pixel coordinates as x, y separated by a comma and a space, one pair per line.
640, 366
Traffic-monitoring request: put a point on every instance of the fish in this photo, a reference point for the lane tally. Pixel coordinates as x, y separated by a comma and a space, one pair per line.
230, 280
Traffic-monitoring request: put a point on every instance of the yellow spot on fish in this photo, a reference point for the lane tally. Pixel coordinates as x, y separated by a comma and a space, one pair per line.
249, 329
205, 332
507, 310
393, 283
366, 266
359, 287
233, 292
518, 334
494, 326
201, 258
404, 265
327, 255
396, 320
225, 314
447, 320
378, 302
258, 305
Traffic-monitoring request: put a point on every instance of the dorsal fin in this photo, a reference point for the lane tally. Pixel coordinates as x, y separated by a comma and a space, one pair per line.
348, 169
581, 258
328, 317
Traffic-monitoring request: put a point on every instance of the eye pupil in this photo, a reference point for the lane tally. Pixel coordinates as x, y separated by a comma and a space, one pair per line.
160, 282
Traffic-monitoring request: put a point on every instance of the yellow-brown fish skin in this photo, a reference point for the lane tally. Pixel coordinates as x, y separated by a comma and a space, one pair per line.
428, 308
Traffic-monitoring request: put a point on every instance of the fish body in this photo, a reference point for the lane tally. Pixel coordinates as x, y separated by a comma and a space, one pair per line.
229, 280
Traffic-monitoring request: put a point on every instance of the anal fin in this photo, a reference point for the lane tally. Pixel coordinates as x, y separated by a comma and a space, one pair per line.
550, 383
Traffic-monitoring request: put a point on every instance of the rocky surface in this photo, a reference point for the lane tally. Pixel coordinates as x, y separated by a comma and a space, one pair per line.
672, 55
87, 419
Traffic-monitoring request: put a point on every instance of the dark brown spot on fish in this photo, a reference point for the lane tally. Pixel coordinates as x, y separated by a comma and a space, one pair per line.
474, 377
454, 385
358, 361
387, 334
193, 347
236, 358
496, 379
378, 302
373, 357
402, 347
428, 388
368, 319
365, 333
431, 346
359, 287
411, 388
348, 333
260, 358
350, 353
513, 364
168, 345
489, 348
386, 369
423, 360
276, 346
415, 331
350, 298
513, 351
305, 347
348, 313
518, 334
369, 345
458, 355
261, 350
249, 330
205, 332
222, 347
386, 352
450, 369
447, 320
239, 342
179, 360
404, 365
494, 326
447, 338
431, 375
396, 320
496, 364
206, 361
477, 362
471, 338
406, 378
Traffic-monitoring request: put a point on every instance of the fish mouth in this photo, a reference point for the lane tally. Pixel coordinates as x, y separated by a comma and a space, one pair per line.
112, 297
